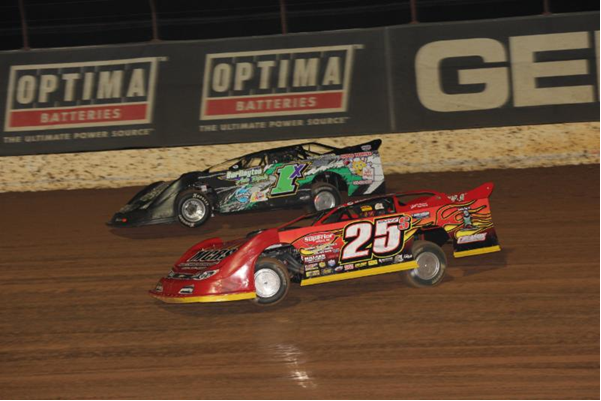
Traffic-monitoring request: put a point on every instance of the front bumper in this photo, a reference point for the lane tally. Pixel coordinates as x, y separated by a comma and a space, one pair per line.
184, 299
137, 220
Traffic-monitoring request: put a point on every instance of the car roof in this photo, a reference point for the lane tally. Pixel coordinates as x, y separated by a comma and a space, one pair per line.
283, 149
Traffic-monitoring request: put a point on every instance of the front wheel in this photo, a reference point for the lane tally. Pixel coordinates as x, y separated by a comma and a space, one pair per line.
193, 208
431, 265
271, 281
324, 196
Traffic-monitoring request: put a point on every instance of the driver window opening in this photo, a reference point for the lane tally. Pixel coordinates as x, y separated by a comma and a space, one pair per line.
361, 210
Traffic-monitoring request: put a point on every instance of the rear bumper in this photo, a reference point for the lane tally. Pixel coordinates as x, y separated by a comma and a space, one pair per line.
183, 299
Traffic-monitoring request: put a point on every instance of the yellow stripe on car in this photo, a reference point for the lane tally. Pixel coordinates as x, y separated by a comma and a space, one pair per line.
206, 298
478, 251
360, 273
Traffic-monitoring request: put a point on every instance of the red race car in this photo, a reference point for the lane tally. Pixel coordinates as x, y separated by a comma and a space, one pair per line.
393, 233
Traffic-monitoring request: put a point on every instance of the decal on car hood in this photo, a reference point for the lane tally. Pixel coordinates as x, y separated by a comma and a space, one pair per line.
206, 257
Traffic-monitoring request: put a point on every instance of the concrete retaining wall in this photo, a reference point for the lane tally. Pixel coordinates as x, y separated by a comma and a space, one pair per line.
460, 150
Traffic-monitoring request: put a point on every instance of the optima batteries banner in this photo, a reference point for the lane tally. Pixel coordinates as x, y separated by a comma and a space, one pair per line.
186, 93
78, 99
282, 87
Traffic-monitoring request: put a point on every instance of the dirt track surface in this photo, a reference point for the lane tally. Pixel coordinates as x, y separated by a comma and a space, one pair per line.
76, 321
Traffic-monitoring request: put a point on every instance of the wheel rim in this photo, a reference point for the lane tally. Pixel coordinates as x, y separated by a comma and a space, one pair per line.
267, 283
428, 266
194, 209
324, 200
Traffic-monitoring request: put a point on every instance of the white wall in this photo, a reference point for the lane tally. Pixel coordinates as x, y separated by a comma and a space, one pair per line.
460, 150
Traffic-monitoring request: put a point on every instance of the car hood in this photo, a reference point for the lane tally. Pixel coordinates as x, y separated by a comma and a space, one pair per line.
207, 254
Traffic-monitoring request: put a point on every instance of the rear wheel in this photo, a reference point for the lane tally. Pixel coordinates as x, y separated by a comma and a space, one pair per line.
432, 264
193, 208
272, 281
324, 196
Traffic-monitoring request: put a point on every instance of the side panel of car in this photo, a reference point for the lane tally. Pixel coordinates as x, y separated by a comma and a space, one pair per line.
286, 184
361, 172
465, 217
354, 245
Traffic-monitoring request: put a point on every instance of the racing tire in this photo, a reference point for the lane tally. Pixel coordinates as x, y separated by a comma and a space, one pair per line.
324, 196
193, 208
272, 281
432, 265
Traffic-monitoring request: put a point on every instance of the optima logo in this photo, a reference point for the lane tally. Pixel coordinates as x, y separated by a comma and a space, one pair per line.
86, 94
277, 82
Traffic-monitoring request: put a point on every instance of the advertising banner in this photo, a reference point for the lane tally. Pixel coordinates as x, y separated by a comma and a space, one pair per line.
189, 93
535, 70
54, 101
280, 87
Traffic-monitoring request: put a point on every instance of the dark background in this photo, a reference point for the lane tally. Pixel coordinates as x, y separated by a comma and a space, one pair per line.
59, 23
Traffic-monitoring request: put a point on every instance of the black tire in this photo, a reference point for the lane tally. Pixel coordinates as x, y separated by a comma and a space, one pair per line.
185, 205
270, 269
433, 272
321, 191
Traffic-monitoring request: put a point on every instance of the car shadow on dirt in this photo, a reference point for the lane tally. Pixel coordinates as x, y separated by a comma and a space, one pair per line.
227, 225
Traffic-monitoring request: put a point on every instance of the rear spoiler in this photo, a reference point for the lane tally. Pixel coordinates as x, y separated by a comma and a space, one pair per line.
370, 146
481, 192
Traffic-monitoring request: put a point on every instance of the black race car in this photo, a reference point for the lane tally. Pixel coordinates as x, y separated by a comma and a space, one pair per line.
308, 174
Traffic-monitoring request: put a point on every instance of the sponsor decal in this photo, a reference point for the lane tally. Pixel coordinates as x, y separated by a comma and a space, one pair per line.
360, 265
319, 238
466, 239
187, 290
467, 218
354, 155
208, 257
372, 262
420, 204
327, 270
80, 94
331, 263
386, 260
362, 182
322, 264
421, 215
276, 82
242, 195
338, 269
204, 274
313, 273
456, 198
398, 258
349, 267
314, 258
258, 196
247, 173
311, 266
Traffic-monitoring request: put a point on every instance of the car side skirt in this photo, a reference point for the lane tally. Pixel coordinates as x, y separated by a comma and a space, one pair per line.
205, 298
479, 251
360, 273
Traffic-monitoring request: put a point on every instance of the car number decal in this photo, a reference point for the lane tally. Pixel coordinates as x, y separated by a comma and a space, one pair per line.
286, 179
363, 242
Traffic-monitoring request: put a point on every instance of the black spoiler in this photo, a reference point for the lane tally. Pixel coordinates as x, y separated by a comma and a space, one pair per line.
370, 146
